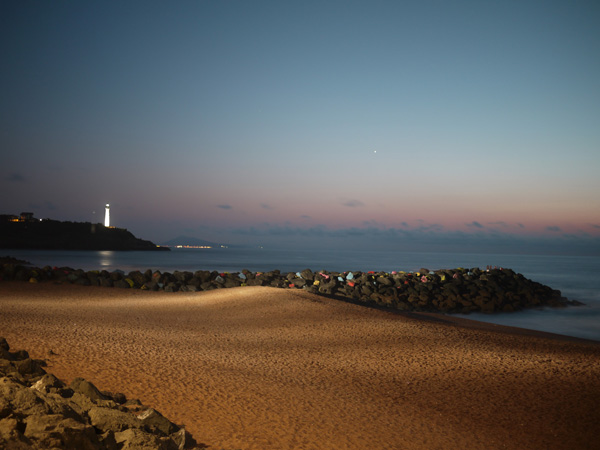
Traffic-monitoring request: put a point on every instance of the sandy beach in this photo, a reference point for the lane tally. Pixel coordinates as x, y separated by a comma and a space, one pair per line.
263, 368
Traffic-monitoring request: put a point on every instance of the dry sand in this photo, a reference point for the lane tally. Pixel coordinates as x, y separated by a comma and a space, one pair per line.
263, 368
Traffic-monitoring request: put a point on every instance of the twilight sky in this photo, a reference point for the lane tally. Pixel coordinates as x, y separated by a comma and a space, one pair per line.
408, 125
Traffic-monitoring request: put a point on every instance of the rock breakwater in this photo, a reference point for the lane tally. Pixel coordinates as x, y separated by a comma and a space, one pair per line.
450, 290
39, 411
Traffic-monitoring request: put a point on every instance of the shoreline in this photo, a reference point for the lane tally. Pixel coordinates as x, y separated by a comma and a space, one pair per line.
263, 368
457, 290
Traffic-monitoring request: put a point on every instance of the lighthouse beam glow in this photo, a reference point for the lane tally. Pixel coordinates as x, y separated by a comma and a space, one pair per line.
107, 215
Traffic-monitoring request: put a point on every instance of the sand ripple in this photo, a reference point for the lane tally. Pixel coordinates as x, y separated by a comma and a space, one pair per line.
261, 368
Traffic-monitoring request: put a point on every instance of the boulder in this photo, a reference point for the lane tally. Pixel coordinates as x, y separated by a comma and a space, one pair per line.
298, 282
55, 431
150, 286
48, 383
307, 274
189, 288
108, 419
5, 355
121, 284
182, 277
118, 397
202, 275
107, 440
232, 282
21, 399
183, 440
79, 402
11, 435
117, 275
29, 367
207, 286
19, 355
93, 277
137, 277
384, 281
86, 388
136, 439
105, 281
172, 287
82, 282
154, 420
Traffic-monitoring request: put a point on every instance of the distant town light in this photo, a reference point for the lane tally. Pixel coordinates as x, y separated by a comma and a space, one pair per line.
187, 246
107, 215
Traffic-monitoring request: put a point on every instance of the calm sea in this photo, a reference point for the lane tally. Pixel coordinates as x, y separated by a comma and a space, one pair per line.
578, 278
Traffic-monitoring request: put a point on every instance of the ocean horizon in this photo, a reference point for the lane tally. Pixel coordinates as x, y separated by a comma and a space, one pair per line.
577, 277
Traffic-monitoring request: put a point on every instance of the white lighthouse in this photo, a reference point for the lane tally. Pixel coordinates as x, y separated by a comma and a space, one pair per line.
107, 215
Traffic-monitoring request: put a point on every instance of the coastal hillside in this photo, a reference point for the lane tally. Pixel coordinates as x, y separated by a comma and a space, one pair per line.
56, 235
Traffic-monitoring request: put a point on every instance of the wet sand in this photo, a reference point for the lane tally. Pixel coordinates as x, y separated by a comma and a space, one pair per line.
264, 368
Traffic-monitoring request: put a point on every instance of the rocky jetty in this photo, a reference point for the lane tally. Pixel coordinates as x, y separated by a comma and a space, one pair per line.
56, 235
451, 291
39, 411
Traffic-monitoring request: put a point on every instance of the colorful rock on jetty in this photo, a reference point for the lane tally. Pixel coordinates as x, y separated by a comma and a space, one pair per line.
452, 291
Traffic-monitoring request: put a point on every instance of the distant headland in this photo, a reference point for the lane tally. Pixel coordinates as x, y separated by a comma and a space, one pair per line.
27, 232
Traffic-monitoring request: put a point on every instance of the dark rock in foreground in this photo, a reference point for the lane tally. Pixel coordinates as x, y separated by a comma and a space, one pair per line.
38, 411
450, 291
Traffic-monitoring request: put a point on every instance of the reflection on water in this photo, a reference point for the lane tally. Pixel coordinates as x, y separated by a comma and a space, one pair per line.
578, 321
107, 258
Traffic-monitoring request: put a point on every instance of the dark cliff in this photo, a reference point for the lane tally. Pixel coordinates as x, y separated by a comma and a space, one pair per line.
56, 235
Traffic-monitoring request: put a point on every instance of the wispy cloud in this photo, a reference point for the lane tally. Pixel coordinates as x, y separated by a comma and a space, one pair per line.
352, 203
595, 226
429, 227
372, 224
553, 228
305, 216
421, 237
15, 177
224, 206
424, 237
499, 223
266, 206
474, 224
